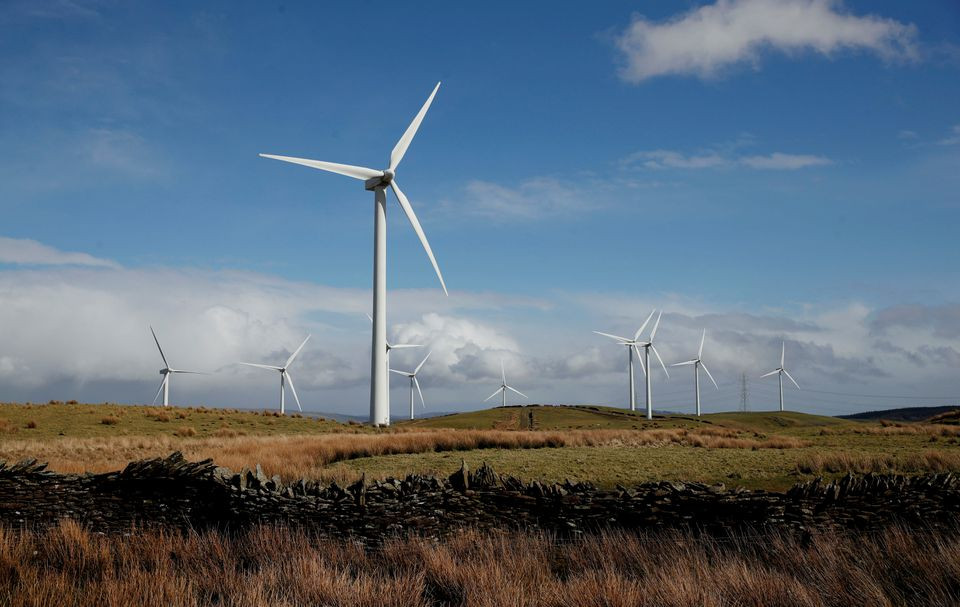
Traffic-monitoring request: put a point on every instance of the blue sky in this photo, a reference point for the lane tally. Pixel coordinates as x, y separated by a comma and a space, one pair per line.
786, 161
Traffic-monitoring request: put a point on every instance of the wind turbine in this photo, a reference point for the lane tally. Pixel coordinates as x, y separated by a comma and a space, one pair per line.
631, 345
391, 346
166, 372
780, 372
645, 365
413, 382
697, 363
378, 181
503, 388
285, 377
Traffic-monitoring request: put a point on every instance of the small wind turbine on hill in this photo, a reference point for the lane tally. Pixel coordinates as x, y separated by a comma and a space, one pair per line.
391, 346
502, 390
378, 181
645, 365
166, 372
285, 377
631, 345
697, 363
781, 371
414, 383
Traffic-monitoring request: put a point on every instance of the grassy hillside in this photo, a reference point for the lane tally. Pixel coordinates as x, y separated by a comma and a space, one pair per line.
107, 420
909, 414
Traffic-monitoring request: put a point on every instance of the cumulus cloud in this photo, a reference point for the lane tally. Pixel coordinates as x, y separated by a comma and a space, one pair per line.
953, 138
23, 251
779, 161
706, 40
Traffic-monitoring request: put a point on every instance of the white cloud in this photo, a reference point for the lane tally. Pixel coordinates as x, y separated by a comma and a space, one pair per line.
780, 161
953, 138
23, 251
533, 198
671, 159
708, 39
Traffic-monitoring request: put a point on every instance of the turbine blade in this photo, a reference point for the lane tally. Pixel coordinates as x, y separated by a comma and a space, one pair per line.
188, 372
774, 372
262, 366
686, 362
702, 339
293, 390
401, 346
368, 316
517, 391
294, 355
787, 373
623, 339
362, 173
160, 389
503, 374
494, 394
644, 325
655, 327
710, 376
420, 366
403, 373
401, 148
165, 363
783, 352
640, 360
405, 205
660, 359
419, 391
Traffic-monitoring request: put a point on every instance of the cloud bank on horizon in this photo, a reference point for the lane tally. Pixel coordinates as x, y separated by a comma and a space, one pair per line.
81, 332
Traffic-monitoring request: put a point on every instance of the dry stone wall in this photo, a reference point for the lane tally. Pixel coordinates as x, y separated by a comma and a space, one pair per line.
174, 493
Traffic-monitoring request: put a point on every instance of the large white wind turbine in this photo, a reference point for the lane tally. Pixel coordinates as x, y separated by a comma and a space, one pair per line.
697, 363
781, 371
378, 181
413, 382
285, 377
166, 372
502, 390
647, 370
631, 345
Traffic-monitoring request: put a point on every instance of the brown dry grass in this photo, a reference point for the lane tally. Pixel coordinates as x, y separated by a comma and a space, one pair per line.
862, 463
887, 428
306, 456
269, 566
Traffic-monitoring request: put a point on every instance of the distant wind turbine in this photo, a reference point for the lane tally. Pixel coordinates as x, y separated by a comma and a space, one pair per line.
631, 345
502, 390
781, 371
697, 363
391, 346
378, 181
166, 372
285, 377
647, 371
413, 382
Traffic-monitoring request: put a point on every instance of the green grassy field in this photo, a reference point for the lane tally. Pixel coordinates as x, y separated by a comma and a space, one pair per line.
51, 421
621, 452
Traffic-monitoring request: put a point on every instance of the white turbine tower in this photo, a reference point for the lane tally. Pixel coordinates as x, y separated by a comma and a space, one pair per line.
503, 388
697, 363
285, 377
631, 345
378, 181
645, 365
780, 372
413, 382
166, 372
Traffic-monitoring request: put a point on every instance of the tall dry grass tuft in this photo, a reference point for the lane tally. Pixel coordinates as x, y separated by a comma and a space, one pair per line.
862, 463
270, 566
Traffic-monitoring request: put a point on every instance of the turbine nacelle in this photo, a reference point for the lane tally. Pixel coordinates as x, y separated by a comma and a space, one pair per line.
382, 181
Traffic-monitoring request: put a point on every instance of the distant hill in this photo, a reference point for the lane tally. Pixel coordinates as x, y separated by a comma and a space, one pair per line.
902, 414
